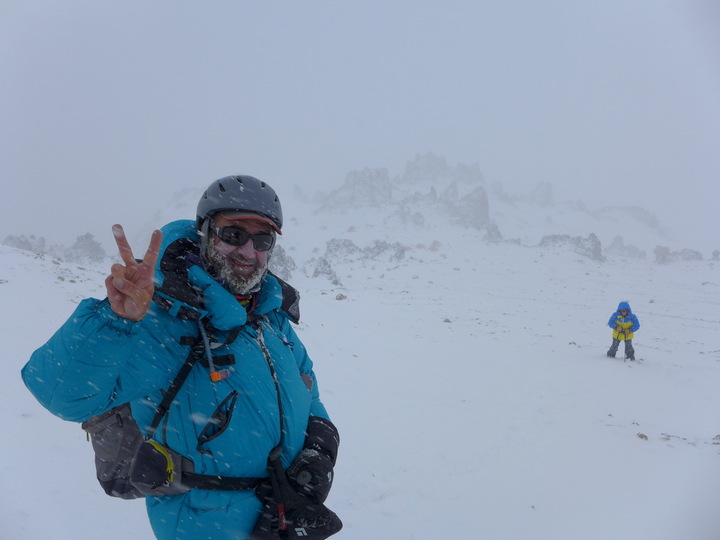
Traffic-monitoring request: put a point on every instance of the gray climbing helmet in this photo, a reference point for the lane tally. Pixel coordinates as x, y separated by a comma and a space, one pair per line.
240, 194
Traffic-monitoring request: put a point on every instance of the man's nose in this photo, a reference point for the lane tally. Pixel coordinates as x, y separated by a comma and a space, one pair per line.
247, 249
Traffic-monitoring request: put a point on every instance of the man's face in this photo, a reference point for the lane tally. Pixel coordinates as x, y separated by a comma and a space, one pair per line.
623, 312
241, 267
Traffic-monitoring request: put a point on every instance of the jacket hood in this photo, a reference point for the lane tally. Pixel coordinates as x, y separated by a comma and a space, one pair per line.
185, 289
172, 232
624, 305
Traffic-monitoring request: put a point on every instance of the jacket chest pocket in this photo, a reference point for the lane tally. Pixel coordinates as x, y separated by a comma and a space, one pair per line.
217, 423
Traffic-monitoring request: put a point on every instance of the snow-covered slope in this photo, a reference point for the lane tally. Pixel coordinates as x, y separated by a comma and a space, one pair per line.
468, 379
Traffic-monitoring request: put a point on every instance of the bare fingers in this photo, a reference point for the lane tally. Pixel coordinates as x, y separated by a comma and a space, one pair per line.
130, 285
123, 245
120, 292
153, 249
114, 296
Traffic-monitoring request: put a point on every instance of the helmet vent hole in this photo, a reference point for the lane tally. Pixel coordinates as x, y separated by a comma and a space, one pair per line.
222, 188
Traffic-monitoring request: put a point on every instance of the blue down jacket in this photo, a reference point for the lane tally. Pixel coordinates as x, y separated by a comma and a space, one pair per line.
98, 360
628, 322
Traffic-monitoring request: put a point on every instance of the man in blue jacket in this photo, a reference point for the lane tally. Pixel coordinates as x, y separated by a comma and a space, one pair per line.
249, 404
624, 324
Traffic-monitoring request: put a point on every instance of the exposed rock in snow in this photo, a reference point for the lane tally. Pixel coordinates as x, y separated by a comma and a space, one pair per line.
589, 247
663, 255
619, 249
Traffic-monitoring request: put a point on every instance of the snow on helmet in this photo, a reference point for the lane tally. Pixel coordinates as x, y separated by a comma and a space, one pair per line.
241, 194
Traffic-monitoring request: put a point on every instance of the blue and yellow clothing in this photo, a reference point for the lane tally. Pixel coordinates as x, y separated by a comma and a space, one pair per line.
624, 322
98, 360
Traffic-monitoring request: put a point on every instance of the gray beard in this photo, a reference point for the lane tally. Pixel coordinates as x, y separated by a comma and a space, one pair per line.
224, 272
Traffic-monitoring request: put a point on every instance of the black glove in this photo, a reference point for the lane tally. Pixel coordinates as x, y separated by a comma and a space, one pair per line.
300, 514
311, 474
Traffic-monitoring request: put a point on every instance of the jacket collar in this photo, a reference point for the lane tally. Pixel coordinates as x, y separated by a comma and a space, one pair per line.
185, 289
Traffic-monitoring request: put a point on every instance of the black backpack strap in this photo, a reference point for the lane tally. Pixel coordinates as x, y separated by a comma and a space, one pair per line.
219, 483
191, 479
196, 352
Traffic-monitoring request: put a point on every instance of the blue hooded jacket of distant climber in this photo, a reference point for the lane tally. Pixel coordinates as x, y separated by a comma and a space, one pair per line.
629, 322
98, 360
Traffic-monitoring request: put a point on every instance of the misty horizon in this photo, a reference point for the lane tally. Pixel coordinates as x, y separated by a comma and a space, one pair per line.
109, 109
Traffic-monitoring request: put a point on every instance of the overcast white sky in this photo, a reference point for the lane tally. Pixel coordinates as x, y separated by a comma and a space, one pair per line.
108, 107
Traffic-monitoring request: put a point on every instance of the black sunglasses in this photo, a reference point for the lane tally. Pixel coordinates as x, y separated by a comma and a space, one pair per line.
235, 236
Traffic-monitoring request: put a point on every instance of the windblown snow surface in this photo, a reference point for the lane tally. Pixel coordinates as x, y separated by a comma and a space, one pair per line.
468, 379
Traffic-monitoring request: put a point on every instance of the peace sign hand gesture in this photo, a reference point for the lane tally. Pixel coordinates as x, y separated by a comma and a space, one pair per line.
130, 287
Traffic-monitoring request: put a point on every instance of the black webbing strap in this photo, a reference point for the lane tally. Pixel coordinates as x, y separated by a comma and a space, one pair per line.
196, 352
219, 483
189, 479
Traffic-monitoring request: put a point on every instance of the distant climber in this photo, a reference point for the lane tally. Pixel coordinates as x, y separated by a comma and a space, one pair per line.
624, 324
